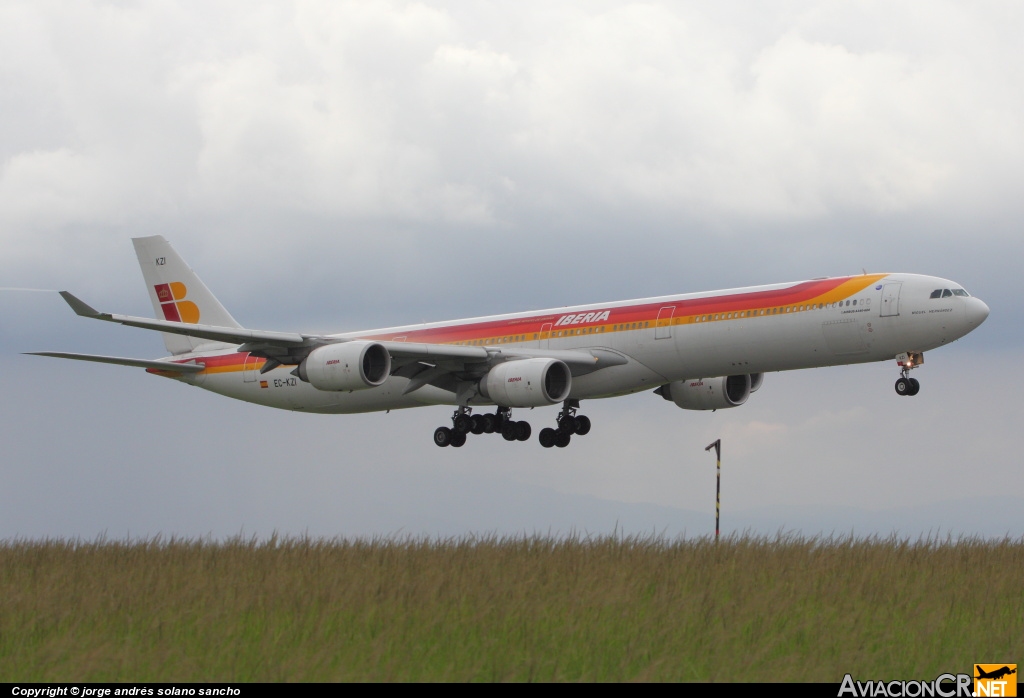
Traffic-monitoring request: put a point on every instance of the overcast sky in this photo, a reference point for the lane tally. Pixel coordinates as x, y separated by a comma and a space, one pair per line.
330, 166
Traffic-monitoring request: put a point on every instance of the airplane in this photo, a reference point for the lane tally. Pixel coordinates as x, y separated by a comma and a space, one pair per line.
994, 674
700, 351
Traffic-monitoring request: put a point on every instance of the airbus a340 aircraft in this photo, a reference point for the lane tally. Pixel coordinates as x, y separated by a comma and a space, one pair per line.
702, 351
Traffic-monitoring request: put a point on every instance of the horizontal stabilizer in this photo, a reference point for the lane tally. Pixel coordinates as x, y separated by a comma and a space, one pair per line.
139, 363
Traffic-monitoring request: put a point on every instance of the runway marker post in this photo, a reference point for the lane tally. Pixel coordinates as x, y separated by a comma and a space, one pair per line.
717, 445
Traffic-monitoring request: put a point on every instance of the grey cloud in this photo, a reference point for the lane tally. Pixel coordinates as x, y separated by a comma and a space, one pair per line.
329, 166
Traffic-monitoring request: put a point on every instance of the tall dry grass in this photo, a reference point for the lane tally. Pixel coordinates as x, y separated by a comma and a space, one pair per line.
492, 608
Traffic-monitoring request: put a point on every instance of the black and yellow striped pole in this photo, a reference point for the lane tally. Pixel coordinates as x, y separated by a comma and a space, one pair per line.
718, 481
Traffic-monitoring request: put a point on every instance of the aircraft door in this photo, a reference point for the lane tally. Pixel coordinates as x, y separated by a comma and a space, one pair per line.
249, 369
545, 335
663, 326
891, 300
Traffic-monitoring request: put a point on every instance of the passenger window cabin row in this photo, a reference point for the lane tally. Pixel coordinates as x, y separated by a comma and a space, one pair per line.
700, 318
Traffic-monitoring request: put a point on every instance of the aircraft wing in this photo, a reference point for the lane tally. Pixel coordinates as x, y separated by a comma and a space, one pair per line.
231, 335
140, 363
290, 347
437, 364
580, 361
589, 358
426, 352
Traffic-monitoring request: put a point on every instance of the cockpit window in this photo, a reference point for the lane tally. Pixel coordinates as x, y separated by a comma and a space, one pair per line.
948, 293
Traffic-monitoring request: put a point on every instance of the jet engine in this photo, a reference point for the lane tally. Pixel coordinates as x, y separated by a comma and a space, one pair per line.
527, 383
346, 366
711, 393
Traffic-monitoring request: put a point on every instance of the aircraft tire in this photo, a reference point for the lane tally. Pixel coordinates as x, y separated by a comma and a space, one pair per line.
463, 423
902, 386
508, 431
489, 423
568, 425
582, 425
458, 440
547, 437
478, 424
442, 436
523, 431
915, 386
562, 438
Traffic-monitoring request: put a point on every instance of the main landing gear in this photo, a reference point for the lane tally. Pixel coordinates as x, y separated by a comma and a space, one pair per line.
905, 385
464, 423
501, 422
569, 423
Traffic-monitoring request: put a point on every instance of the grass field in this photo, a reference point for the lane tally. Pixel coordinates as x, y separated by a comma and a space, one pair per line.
602, 609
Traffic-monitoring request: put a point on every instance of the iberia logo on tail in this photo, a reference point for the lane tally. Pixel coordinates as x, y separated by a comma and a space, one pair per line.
174, 305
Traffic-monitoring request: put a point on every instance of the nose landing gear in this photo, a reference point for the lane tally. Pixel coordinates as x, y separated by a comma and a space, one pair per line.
905, 385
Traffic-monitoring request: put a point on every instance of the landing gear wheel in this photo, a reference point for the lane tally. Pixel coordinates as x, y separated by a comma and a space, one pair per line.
490, 423
443, 436
463, 423
547, 437
478, 424
570, 423
458, 440
903, 386
508, 430
523, 431
915, 386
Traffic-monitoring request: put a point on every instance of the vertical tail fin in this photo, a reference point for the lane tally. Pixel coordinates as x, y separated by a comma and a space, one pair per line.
177, 293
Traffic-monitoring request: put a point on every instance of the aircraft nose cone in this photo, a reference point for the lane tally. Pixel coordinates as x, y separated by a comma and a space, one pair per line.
977, 311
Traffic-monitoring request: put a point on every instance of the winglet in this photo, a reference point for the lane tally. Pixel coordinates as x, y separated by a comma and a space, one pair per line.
79, 306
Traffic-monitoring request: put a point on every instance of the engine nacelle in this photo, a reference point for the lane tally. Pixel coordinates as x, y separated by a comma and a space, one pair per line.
346, 366
527, 383
711, 393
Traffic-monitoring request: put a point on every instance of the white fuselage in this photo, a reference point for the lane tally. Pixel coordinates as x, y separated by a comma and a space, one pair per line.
823, 322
